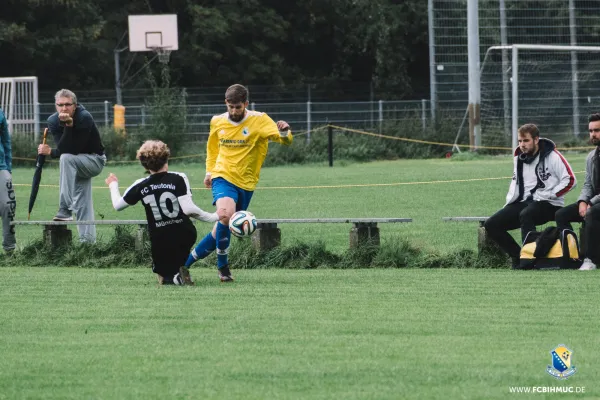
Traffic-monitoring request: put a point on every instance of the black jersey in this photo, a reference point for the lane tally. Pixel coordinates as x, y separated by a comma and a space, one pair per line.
168, 226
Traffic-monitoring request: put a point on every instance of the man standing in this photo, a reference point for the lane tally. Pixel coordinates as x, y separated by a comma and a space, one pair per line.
587, 207
81, 154
541, 178
236, 149
8, 201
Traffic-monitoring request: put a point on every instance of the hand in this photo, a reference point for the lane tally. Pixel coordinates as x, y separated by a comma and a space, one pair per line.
111, 178
44, 149
282, 126
208, 181
66, 119
583, 207
222, 213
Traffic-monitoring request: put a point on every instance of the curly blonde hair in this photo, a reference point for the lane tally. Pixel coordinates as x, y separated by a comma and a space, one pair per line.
153, 154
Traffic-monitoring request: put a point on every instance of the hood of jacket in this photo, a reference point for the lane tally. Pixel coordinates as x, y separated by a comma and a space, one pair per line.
546, 146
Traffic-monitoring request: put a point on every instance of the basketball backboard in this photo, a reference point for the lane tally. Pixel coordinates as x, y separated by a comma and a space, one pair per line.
152, 32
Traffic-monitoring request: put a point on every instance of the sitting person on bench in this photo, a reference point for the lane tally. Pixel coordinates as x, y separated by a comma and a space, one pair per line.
541, 178
587, 206
167, 199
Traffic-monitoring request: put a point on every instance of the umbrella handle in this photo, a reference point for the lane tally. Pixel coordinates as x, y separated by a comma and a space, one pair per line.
45, 134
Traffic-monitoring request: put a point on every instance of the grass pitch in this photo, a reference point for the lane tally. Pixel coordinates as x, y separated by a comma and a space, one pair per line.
72, 333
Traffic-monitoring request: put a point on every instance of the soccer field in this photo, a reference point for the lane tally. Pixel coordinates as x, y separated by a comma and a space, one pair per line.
71, 333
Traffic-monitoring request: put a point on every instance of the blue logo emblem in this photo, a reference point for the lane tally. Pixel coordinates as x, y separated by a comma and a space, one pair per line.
562, 363
245, 131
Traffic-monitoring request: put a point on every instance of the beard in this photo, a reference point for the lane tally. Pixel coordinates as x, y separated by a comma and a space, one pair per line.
236, 118
595, 141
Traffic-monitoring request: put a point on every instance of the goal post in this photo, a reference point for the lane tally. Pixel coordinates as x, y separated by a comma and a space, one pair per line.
552, 86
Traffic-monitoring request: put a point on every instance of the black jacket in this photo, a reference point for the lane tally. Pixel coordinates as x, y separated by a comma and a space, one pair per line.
81, 138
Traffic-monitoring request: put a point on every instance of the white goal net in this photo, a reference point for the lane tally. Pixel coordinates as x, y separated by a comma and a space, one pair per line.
554, 87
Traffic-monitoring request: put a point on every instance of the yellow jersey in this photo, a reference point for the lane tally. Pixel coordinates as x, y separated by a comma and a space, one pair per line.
236, 150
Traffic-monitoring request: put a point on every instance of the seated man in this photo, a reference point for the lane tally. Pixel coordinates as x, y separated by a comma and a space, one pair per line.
587, 207
541, 178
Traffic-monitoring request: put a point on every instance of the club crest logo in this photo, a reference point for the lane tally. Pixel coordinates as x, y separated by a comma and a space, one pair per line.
562, 363
245, 131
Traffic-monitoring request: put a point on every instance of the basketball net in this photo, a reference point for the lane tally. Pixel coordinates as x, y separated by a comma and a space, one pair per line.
163, 53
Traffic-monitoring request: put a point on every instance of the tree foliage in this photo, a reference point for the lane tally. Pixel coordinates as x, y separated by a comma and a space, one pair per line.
71, 43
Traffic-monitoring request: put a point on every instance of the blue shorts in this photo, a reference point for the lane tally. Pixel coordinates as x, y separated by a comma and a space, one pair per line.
222, 188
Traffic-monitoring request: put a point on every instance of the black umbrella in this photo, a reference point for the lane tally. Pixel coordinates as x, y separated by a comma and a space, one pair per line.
37, 176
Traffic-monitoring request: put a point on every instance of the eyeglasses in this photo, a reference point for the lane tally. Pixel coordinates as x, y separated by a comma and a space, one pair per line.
64, 104
595, 130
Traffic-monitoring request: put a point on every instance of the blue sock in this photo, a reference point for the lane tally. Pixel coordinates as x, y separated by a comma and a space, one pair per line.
223, 236
206, 246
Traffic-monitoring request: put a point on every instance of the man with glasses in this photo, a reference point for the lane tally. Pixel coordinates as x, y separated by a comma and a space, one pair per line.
81, 153
587, 207
237, 146
8, 201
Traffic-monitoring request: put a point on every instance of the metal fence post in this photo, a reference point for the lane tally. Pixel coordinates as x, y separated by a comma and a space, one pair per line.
330, 144
106, 113
308, 121
380, 115
423, 112
143, 113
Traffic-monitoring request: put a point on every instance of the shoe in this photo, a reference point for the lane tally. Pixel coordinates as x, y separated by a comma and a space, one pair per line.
63, 215
185, 275
178, 280
225, 274
587, 265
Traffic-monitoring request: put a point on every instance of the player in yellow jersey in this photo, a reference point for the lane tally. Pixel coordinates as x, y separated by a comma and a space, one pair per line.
236, 149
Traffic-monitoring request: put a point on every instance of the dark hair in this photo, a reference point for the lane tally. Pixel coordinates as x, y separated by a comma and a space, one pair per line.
532, 129
236, 94
594, 117
153, 155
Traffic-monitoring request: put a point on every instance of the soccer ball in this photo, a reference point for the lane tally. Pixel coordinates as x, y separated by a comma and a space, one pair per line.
242, 224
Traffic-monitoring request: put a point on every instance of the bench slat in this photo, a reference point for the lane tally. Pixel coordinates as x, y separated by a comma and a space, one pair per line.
466, 219
260, 221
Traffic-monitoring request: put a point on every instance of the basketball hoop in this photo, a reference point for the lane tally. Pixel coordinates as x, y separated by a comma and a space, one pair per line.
163, 53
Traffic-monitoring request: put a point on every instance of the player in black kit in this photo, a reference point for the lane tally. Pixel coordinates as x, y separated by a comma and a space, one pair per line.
167, 198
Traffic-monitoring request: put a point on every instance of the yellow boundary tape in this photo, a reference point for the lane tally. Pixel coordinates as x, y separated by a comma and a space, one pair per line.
321, 128
358, 185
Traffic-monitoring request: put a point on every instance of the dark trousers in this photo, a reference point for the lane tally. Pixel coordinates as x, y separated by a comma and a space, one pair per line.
569, 214
525, 215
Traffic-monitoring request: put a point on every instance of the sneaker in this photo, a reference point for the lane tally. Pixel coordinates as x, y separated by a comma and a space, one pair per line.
178, 280
63, 215
225, 274
185, 275
587, 265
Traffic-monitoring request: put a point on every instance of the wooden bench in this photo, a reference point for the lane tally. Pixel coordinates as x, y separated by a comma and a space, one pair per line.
266, 237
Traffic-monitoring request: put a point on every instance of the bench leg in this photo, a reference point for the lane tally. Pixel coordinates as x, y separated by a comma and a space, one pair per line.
141, 237
57, 236
266, 237
486, 245
364, 233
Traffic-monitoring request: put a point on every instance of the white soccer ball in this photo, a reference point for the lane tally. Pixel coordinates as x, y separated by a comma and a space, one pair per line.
242, 224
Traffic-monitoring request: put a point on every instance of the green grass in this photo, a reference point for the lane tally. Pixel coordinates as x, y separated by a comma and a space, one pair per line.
112, 333
316, 334
425, 190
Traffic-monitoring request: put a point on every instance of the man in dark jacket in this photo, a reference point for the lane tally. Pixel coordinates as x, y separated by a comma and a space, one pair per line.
8, 202
81, 154
587, 207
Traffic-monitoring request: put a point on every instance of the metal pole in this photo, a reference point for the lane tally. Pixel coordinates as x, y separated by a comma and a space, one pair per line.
432, 81
308, 121
474, 78
330, 144
574, 73
380, 115
106, 113
505, 79
423, 113
118, 78
515, 96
